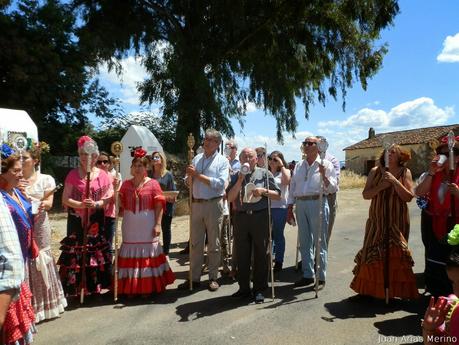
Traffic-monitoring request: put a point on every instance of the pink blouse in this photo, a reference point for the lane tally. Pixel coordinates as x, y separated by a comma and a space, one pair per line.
148, 196
100, 188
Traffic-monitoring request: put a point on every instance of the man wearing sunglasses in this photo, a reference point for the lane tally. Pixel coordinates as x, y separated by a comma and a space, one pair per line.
305, 190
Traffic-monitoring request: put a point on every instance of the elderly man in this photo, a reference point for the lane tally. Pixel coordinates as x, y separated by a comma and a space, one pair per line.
209, 171
250, 193
305, 189
11, 261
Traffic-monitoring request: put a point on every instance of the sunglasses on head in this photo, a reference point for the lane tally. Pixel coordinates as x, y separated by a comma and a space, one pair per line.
308, 143
104, 161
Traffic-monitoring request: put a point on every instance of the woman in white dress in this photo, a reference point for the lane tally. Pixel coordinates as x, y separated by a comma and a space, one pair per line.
48, 296
142, 266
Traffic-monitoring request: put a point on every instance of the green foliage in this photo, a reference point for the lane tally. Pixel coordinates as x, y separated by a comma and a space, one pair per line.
44, 71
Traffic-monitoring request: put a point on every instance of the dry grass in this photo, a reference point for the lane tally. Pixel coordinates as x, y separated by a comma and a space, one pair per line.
350, 180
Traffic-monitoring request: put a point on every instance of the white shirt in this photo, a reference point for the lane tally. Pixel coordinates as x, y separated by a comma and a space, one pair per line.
306, 180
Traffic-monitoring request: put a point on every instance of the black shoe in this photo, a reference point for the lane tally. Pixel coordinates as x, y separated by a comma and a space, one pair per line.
298, 266
277, 266
241, 294
186, 285
185, 251
304, 282
259, 298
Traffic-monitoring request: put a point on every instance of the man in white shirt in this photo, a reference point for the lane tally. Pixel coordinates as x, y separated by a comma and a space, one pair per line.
305, 190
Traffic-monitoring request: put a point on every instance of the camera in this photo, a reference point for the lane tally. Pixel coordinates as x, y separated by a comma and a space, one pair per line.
245, 169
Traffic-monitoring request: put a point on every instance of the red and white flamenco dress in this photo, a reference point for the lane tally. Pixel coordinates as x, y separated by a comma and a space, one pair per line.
142, 266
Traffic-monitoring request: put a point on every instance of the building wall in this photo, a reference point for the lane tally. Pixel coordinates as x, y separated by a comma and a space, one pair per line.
361, 160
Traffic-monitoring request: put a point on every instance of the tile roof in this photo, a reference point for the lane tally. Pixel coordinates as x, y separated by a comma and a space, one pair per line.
411, 136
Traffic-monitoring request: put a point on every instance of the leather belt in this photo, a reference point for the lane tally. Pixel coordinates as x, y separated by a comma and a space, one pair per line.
251, 211
207, 200
308, 197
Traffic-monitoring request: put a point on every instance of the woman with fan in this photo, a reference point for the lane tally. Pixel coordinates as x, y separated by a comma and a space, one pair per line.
48, 296
143, 267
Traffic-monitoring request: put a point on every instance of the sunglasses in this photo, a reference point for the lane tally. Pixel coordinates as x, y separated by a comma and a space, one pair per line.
156, 158
105, 161
309, 143
260, 155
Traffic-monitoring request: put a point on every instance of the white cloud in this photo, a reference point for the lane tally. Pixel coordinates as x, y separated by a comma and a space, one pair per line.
418, 113
450, 52
133, 72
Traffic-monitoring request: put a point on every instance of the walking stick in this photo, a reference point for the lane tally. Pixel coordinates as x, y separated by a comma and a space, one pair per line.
116, 148
388, 141
89, 148
190, 142
322, 146
452, 172
270, 229
303, 157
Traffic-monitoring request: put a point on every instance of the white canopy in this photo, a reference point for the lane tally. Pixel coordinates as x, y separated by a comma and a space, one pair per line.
136, 136
14, 122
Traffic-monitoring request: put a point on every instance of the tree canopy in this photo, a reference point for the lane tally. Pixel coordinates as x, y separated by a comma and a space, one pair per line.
44, 71
207, 59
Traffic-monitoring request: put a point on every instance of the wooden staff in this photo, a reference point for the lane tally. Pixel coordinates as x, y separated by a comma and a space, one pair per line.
388, 141
270, 228
89, 148
452, 172
117, 149
322, 146
190, 142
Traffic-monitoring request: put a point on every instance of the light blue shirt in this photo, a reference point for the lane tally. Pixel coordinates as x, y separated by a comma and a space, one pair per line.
216, 167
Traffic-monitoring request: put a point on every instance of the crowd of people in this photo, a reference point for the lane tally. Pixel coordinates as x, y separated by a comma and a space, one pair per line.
239, 208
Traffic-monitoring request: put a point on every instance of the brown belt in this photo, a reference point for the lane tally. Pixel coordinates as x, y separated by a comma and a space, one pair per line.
307, 197
207, 200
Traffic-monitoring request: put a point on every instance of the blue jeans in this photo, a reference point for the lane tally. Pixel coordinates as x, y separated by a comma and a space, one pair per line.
307, 218
279, 218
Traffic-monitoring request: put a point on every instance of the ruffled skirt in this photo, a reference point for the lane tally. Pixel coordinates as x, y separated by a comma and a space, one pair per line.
19, 321
98, 264
369, 276
143, 269
48, 298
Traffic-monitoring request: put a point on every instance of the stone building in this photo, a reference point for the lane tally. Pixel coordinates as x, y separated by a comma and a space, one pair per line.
421, 142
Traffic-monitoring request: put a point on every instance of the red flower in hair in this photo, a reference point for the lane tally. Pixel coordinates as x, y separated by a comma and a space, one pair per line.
444, 140
138, 152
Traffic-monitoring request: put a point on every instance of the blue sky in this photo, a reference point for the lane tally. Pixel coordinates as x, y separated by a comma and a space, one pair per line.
418, 86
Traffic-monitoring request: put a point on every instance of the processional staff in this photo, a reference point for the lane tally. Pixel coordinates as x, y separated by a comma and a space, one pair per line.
90, 148
387, 143
322, 146
452, 171
190, 142
270, 228
117, 149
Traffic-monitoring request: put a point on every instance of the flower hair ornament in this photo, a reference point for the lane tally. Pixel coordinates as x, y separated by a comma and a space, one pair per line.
6, 151
138, 152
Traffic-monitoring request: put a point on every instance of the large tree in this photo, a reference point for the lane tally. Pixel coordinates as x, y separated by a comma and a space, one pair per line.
207, 59
44, 71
